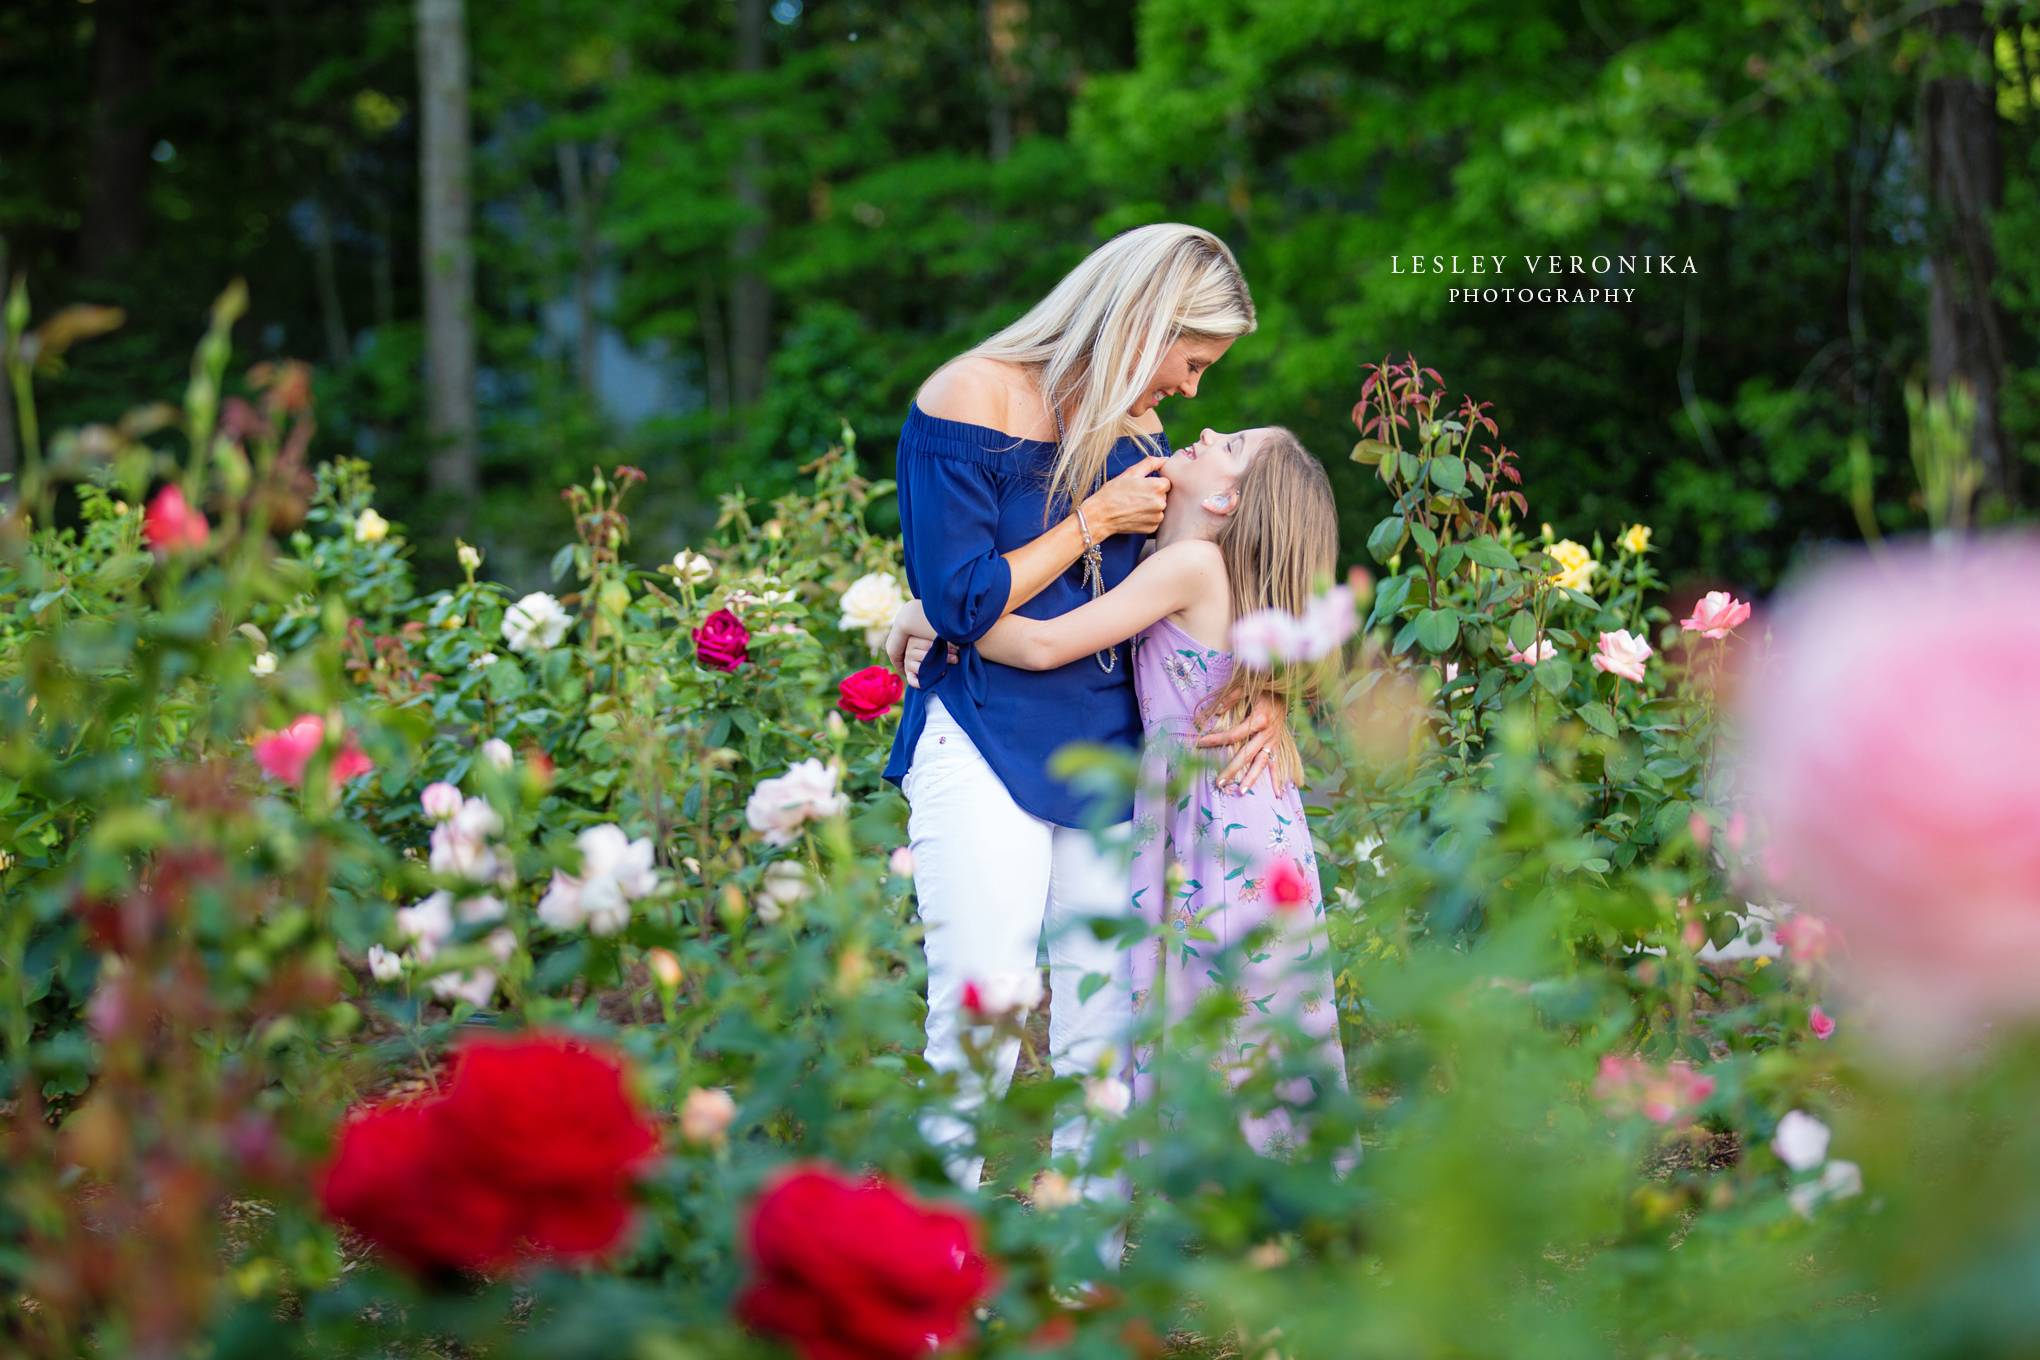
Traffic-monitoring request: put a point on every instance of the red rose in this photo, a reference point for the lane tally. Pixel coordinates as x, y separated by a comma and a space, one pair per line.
722, 643
857, 1270
534, 1144
550, 1121
389, 1181
172, 524
870, 693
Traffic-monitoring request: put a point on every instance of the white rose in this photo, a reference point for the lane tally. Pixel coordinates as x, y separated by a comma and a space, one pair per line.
608, 852
369, 527
264, 664
482, 662
692, 567
608, 909
441, 801
469, 556
1107, 1096
1838, 1180
384, 966
498, 753
561, 906
428, 923
870, 603
779, 807
785, 882
1801, 1141
535, 623
901, 862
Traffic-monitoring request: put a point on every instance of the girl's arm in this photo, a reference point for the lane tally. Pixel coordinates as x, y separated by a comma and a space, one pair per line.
1168, 580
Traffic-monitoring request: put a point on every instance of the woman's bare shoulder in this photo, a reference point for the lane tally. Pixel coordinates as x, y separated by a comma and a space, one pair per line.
988, 392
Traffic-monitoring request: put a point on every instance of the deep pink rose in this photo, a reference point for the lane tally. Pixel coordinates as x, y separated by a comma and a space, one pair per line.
722, 643
1286, 885
172, 524
1820, 1022
870, 694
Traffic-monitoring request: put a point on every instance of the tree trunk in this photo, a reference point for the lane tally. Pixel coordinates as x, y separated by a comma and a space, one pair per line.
750, 294
9, 459
117, 172
1959, 144
447, 248
1002, 20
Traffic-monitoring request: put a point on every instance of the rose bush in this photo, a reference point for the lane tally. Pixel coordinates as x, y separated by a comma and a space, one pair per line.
265, 1087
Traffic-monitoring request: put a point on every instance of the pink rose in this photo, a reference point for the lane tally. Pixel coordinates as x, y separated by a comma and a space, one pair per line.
1805, 938
722, 643
172, 524
1890, 749
284, 755
1716, 614
1621, 655
1820, 1022
1286, 885
1540, 650
1664, 1095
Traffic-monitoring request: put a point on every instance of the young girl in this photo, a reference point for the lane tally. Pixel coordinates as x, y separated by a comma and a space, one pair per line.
1250, 525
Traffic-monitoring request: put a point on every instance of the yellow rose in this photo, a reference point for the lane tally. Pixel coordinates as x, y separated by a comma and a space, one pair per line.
1636, 538
1576, 565
369, 527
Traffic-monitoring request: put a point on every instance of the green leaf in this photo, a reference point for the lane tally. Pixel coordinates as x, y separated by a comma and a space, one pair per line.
1426, 541
1449, 560
1522, 629
1385, 538
562, 560
1555, 674
1600, 719
1437, 629
1410, 465
1489, 553
1389, 597
1448, 474
1371, 451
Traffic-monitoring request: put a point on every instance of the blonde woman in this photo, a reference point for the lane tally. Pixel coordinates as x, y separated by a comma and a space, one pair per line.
1026, 485
1251, 525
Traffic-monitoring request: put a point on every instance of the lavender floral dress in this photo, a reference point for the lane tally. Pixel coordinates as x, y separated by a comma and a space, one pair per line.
1200, 864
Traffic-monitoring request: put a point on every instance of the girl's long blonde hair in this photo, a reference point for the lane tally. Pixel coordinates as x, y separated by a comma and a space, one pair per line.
1101, 333
1280, 546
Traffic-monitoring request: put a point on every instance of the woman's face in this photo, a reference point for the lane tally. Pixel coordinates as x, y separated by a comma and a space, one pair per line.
1180, 368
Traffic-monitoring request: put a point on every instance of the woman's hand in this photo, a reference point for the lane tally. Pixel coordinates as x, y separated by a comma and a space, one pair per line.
1131, 503
908, 640
1257, 738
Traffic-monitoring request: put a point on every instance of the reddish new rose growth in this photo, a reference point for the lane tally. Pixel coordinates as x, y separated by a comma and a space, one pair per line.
172, 524
533, 1147
722, 643
870, 694
857, 1270
1286, 885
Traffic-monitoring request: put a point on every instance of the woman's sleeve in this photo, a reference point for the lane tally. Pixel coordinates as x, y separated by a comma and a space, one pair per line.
949, 518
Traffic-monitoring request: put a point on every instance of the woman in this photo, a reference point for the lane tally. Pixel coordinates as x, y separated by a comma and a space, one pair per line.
1054, 412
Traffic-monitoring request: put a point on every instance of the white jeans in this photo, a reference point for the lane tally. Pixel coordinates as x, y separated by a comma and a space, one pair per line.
989, 875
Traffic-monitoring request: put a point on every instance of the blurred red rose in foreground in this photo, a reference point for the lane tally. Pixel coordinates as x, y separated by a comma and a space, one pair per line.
858, 1270
284, 755
1892, 757
533, 1145
172, 524
870, 694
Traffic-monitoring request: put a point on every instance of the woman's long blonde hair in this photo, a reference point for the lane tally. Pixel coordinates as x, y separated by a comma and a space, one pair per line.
1101, 333
1280, 546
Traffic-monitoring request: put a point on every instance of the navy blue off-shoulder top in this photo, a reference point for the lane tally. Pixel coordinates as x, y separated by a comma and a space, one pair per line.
969, 494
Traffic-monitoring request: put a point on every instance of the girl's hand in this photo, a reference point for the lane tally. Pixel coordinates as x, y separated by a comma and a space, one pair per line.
917, 648
1131, 503
1257, 739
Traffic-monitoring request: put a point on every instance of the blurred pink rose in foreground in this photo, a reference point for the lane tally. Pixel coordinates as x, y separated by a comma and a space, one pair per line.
284, 755
1890, 750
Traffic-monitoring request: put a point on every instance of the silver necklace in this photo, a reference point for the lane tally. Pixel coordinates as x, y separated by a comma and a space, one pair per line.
1094, 568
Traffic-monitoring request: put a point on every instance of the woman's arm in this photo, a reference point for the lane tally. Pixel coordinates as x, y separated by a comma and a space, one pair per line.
1131, 503
1167, 581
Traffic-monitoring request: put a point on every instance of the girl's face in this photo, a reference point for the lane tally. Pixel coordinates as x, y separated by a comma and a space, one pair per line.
1179, 371
1212, 467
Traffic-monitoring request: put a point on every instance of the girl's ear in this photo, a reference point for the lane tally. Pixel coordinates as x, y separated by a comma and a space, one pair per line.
1221, 503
